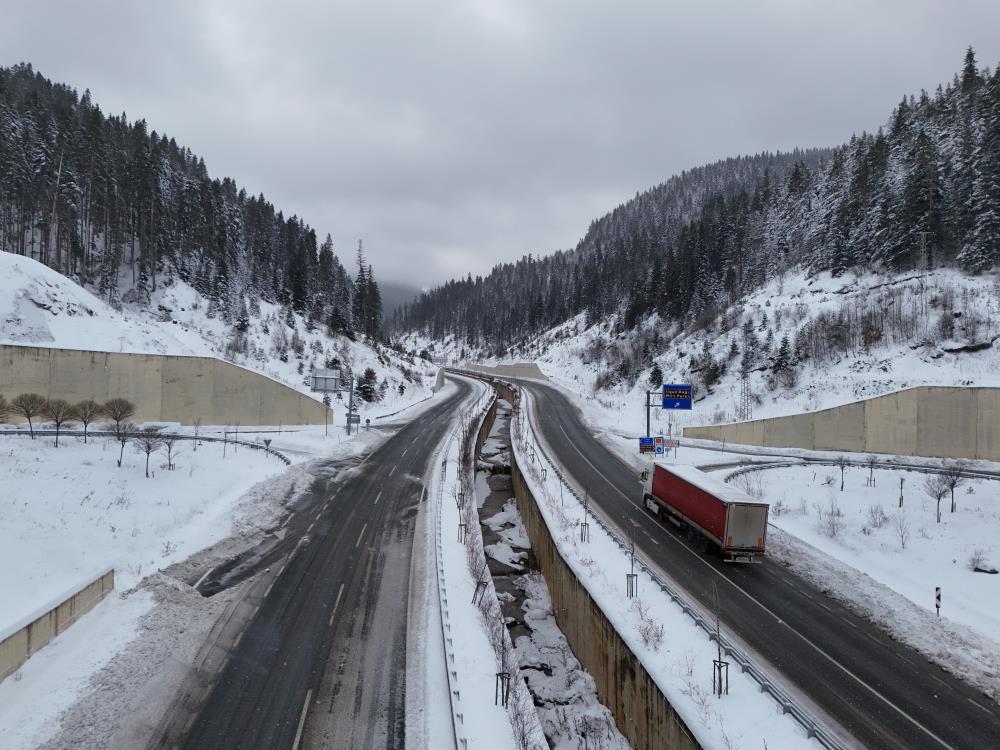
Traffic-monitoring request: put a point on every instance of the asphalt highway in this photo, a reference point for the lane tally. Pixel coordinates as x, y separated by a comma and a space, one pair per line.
322, 662
881, 692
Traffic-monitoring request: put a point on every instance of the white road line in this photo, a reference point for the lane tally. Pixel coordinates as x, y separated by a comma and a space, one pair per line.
377, 497
360, 535
292, 514
204, 577
404, 452
393, 471
302, 720
749, 596
336, 604
981, 707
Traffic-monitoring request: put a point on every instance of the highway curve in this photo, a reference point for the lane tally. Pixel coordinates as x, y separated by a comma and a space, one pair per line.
322, 664
885, 694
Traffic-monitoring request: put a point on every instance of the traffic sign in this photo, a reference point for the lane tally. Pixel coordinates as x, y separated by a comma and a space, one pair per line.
677, 396
646, 445
353, 419
658, 445
937, 599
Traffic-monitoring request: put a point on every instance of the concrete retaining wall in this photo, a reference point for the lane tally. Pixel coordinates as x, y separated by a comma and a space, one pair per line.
164, 388
924, 421
641, 711
39, 629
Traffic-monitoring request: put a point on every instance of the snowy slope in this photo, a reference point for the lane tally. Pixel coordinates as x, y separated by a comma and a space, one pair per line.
40, 307
612, 368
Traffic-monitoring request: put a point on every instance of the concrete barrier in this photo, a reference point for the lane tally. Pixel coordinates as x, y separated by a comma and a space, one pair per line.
515, 370
936, 421
164, 388
642, 713
25, 637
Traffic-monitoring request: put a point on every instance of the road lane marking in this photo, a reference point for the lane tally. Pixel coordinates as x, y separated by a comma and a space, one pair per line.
377, 497
200, 580
360, 535
302, 720
336, 604
980, 707
598, 471
393, 471
749, 596
404, 452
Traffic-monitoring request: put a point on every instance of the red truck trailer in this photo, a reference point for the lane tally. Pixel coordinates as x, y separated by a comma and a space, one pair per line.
728, 518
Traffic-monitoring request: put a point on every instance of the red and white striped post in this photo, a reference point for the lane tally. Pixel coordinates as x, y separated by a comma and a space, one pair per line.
937, 599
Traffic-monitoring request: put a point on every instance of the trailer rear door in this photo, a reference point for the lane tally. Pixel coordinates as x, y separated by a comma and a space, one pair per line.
747, 526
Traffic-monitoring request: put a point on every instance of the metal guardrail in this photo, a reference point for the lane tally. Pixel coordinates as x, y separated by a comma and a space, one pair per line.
454, 694
105, 433
788, 705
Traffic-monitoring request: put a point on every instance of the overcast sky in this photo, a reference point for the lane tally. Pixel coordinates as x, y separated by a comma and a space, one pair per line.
453, 135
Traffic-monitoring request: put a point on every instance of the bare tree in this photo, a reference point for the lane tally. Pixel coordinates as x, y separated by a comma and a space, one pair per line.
87, 412
148, 441
124, 433
29, 406
4, 409
170, 445
936, 486
872, 462
59, 412
119, 411
954, 477
902, 527
841, 463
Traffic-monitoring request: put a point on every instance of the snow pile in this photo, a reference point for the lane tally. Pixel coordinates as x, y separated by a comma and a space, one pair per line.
40, 307
570, 707
70, 511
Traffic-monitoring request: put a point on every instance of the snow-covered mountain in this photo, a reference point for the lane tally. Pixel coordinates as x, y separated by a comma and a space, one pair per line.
40, 307
811, 342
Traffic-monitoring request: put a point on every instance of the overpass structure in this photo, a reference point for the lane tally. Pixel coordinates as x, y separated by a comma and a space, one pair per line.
164, 388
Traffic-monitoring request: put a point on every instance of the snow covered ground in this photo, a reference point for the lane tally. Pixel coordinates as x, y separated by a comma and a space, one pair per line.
40, 307
67, 512
906, 549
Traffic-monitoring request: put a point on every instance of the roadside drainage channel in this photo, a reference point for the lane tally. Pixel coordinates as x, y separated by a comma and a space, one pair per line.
565, 695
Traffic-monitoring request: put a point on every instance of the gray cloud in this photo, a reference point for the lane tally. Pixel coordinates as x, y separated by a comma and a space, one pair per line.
454, 135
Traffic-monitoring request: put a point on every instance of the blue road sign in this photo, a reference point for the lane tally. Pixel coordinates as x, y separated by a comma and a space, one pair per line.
658, 444
677, 396
646, 445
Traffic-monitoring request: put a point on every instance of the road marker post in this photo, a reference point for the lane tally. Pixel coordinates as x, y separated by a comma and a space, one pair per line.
937, 600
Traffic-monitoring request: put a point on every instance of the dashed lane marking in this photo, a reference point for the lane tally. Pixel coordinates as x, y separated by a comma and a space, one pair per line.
377, 497
302, 720
360, 535
336, 604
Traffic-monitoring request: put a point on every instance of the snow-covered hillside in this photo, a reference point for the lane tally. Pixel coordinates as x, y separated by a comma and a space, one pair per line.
40, 307
848, 338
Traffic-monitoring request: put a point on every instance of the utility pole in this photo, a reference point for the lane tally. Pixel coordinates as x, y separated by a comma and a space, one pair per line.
350, 402
746, 404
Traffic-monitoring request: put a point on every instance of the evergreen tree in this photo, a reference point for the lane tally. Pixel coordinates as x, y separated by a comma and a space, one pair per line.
656, 376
